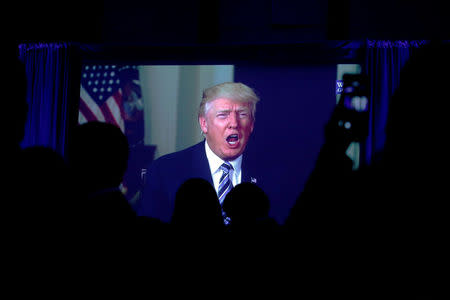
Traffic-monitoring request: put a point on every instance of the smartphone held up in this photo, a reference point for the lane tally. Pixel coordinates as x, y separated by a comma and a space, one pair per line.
353, 107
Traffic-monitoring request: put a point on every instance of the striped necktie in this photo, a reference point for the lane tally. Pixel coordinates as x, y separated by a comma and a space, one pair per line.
225, 185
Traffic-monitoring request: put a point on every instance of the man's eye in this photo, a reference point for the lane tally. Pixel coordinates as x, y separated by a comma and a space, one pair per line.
222, 115
243, 114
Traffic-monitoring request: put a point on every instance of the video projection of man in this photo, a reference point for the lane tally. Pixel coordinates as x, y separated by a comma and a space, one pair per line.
152, 105
157, 108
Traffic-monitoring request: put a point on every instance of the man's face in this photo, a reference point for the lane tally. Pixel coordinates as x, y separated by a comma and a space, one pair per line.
227, 126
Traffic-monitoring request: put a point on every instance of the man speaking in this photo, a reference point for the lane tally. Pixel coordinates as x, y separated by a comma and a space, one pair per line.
226, 116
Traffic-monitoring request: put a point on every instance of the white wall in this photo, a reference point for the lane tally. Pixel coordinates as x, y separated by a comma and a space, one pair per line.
171, 96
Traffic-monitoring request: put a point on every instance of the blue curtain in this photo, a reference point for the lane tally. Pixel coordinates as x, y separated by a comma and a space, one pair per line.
49, 71
384, 61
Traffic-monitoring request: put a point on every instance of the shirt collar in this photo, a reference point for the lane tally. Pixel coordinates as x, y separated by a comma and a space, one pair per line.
215, 162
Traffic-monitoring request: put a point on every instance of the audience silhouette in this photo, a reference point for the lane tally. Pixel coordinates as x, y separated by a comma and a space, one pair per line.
416, 149
197, 209
396, 203
247, 206
13, 122
46, 204
393, 210
98, 157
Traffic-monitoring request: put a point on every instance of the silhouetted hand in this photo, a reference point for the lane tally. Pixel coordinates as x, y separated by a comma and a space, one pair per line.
338, 131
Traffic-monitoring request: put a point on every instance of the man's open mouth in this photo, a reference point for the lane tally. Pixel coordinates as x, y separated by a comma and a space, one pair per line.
233, 139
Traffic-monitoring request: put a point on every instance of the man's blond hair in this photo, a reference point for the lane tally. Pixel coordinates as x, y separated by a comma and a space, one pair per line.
235, 91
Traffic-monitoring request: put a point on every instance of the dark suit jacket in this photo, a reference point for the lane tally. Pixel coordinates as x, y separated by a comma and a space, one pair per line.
166, 174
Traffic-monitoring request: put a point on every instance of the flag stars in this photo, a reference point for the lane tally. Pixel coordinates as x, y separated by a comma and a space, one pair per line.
102, 80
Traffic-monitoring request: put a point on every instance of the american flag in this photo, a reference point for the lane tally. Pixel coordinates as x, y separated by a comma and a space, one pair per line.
101, 93
112, 94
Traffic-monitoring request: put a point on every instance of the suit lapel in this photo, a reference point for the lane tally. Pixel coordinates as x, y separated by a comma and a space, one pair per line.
200, 163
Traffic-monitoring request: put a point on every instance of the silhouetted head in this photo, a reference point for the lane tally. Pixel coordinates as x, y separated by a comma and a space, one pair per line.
416, 149
418, 123
45, 161
197, 207
98, 154
246, 203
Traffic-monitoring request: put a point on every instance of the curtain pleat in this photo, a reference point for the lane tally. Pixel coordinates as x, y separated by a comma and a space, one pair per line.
384, 61
48, 68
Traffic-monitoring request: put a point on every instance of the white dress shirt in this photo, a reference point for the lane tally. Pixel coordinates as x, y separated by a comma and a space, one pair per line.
214, 164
